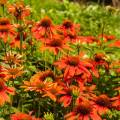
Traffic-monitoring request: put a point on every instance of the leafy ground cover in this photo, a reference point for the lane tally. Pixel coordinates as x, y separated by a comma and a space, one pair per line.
59, 61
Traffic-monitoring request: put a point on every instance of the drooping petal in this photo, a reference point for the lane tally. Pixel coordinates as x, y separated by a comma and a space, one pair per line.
95, 116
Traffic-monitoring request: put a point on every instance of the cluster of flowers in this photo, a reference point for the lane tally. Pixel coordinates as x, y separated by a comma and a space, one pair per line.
70, 82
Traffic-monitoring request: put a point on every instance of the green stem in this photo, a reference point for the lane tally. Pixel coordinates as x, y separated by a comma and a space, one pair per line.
55, 58
78, 49
4, 47
45, 52
54, 110
3, 9
39, 106
21, 42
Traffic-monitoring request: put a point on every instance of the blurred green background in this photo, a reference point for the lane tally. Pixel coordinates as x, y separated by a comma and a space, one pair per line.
94, 18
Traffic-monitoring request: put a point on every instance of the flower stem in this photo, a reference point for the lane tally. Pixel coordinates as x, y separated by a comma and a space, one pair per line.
3, 9
21, 42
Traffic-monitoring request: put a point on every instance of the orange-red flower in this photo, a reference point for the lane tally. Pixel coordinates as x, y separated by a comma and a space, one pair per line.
4, 91
56, 44
106, 38
13, 59
102, 103
40, 82
43, 85
85, 39
23, 116
44, 29
66, 97
53, 91
16, 41
6, 29
84, 110
73, 66
86, 91
68, 27
19, 10
100, 60
37, 86
3, 2
44, 76
12, 73
71, 37
82, 78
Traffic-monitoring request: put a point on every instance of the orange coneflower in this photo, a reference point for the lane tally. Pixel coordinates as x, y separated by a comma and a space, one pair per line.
100, 59
12, 73
82, 78
86, 39
40, 82
86, 91
106, 38
19, 10
102, 103
37, 86
2, 2
67, 96
23, 116
53, 91
84, 110
13, 59
71, 37
68, 27
72, 66
6, 29
89, 39
4, 91
16, 41
44, 29
44, 76
56, 44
